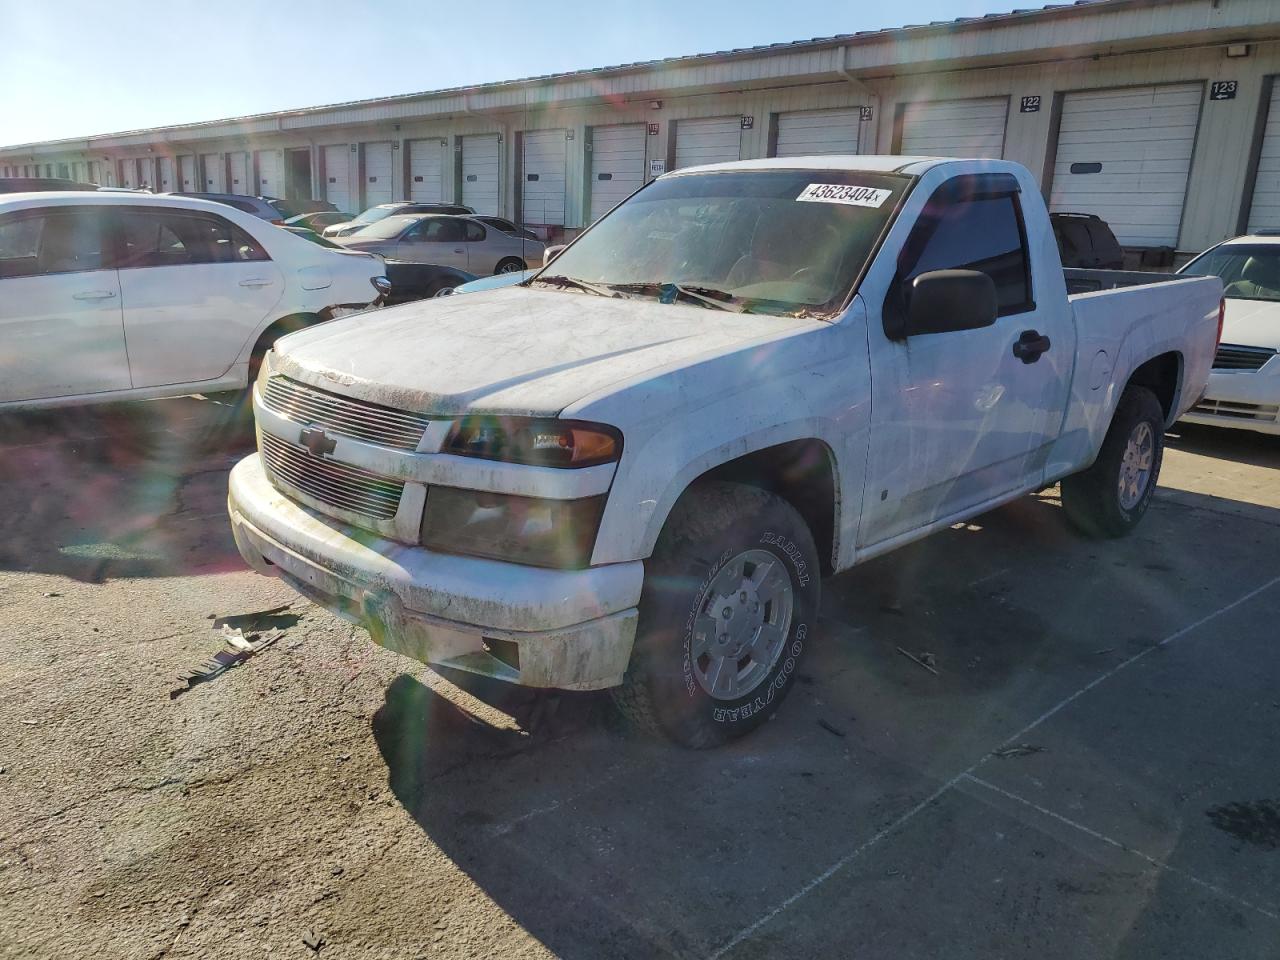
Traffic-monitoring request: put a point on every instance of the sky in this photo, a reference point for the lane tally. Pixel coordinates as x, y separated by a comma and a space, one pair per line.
75, 68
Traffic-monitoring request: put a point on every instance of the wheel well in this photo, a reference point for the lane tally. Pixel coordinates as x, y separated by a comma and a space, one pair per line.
803, 474
295, 321
1161, 375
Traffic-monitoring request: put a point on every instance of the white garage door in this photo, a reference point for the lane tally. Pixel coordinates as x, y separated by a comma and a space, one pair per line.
426, 168
337, 176
128, 173
241, 182
270, 173
165, 182
1125, 155
542, 175
711, 140
617, 165
211, 170
811, 132
187, 173
148, 173
954, 128
1264, 211
480, 173
378, 187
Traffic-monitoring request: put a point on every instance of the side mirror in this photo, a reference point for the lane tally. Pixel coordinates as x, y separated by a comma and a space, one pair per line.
551, 252
942, 301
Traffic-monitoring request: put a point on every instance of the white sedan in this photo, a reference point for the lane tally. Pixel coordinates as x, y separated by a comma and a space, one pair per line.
1244, 385
112, 296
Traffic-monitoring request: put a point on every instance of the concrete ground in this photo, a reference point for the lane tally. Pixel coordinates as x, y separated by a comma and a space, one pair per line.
1090, 773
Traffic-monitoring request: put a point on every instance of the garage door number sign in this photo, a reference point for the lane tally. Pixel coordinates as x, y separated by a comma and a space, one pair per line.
843, 193
1223, 90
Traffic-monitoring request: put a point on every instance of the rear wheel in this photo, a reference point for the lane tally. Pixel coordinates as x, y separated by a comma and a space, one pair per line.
510, 265
1109, 498
728, 606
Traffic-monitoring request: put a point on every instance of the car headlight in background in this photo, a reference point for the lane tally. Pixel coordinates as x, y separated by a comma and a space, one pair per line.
532, 530
537, 442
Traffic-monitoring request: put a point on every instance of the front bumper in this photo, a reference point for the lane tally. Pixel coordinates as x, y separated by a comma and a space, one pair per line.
570, 629
1243, 400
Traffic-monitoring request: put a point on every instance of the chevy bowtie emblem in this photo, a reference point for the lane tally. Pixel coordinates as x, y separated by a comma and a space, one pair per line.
317, 442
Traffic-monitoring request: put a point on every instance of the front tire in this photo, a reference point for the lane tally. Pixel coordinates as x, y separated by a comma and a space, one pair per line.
726, 614
510, 265
1108, 499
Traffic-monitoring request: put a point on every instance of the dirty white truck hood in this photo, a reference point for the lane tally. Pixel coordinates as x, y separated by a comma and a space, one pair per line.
511, 351
1252, 323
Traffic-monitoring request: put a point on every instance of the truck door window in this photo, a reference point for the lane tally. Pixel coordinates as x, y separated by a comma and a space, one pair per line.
982, 232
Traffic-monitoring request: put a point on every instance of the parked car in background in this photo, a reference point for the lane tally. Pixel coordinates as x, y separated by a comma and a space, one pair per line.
39, 184
633, 471
421, 281
508, 226
318, 220
265, 208
198, 291
452, 241
298, 207
1244, 386
384, 210
1085, 240
494, 282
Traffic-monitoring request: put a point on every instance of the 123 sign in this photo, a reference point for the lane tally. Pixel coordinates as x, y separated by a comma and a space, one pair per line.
1223, 89
1029, 105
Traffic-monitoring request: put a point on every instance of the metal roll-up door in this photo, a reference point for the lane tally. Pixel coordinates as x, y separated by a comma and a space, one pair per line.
426, 170
708, 140
1264, 209
954, 128
128, 173
147, 175
211, 173
270, 173
337, 176
378, 187
241, 182
805, 133
480, 173
165, 182
542, 177
617, 165
187, 174
1125, 155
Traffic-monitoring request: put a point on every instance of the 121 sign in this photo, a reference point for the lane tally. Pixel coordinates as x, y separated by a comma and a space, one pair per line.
1223, 89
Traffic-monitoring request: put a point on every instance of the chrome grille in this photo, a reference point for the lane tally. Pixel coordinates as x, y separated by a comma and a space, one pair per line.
1233, 357
337, 484
357, 419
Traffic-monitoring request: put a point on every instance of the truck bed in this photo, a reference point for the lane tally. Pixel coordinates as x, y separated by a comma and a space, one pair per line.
1086, 280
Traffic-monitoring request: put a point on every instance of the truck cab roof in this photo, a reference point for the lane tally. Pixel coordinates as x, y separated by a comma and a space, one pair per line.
912, 166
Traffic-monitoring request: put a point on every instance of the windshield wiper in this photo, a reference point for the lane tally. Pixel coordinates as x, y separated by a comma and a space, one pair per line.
669, 291
559, 280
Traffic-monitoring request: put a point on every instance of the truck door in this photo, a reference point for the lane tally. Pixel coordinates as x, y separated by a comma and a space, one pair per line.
959, 418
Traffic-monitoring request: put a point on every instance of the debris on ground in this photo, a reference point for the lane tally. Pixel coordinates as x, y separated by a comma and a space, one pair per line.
313, 940
925, 659
830, 728
30, 723
1017, 750
53, 593
241, 648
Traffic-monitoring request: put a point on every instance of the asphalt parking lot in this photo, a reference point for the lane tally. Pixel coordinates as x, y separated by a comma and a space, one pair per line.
1091, 771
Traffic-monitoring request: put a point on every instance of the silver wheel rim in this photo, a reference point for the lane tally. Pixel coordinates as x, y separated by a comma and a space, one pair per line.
741, 624
1135, 466
509, 268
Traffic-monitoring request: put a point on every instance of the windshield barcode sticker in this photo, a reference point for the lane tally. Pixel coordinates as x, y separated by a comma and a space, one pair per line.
844, 193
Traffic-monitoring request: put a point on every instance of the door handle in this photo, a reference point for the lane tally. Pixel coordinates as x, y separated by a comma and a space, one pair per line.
459, 249
93, 295
1030, 345
255, 282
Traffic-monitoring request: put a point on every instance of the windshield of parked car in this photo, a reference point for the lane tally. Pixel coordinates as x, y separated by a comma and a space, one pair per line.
374, 214
388, 228
764, 241
1249, 271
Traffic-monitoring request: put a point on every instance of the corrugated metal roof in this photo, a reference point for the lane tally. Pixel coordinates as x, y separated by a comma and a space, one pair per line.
257, 120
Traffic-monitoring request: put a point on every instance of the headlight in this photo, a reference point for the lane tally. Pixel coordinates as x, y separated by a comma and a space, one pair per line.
544, 533
381, 284
543, 443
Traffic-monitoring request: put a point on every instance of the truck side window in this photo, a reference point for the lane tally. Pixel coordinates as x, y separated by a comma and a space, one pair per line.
982, 233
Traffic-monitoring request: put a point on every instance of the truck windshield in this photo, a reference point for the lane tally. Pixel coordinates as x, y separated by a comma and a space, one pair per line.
1249, 271
763, 241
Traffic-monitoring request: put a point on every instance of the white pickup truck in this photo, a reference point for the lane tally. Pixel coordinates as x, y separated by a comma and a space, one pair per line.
632, 470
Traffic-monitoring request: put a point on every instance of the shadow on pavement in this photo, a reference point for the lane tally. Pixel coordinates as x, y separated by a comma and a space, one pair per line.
1241, 446
128, 490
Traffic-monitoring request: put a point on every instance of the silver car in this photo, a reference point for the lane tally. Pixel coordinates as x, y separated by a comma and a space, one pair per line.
451, 241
